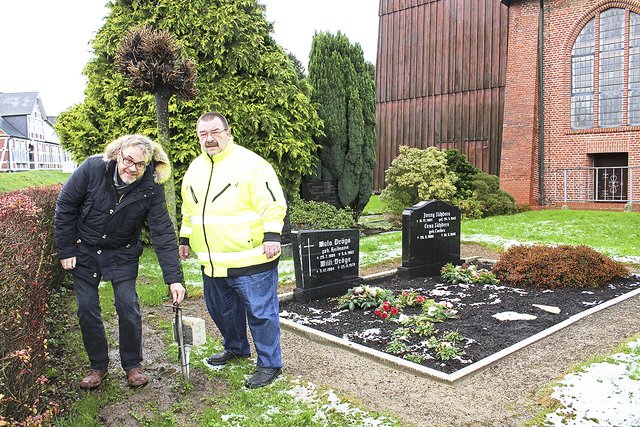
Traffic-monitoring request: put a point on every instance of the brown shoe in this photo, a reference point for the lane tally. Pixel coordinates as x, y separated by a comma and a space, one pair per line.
136, 378
93, 379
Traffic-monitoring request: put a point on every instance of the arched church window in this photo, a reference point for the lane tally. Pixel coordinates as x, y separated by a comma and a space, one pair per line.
605, 71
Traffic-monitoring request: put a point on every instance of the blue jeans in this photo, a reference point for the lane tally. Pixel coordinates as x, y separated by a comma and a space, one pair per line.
92, 327
232, 301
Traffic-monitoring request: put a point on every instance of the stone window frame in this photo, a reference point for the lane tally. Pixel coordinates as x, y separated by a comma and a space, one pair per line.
604, 62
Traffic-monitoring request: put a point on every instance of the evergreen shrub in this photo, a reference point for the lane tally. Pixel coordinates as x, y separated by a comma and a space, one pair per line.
556, 266
464, 170
493, 201
29, 273
312, 215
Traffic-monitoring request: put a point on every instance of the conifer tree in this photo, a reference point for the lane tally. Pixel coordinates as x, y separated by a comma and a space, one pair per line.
241, 71
344, 91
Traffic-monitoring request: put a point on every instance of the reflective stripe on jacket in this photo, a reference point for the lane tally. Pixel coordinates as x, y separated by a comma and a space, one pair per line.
231, 203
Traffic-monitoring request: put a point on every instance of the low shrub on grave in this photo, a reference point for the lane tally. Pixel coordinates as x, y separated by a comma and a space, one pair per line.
28, 273
311, 215
556, 266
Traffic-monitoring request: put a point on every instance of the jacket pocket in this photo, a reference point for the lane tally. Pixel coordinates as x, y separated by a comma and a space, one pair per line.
193, 195
220, 193
84, 212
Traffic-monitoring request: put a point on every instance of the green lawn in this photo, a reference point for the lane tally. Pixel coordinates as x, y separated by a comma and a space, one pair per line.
613, 233
16, 180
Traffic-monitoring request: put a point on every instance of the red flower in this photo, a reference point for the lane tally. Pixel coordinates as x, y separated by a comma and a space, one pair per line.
386, 305
377, 312
394, 310
384, 315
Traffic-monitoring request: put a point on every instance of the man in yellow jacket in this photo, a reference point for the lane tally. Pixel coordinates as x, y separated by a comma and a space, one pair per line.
233, 210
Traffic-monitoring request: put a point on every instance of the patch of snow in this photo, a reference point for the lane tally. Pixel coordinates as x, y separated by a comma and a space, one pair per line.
604, 394
512, 315
547, 308
477, 304
320, 317
440, 292
372, 334
591, 303
327, 403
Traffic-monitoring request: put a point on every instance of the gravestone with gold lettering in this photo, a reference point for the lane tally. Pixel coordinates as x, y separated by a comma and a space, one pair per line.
326, 263
430, 238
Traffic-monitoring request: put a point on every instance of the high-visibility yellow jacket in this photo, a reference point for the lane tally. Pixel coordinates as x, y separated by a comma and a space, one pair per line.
231, 203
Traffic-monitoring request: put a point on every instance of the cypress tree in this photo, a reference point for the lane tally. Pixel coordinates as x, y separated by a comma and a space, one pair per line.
241, 71
344, 91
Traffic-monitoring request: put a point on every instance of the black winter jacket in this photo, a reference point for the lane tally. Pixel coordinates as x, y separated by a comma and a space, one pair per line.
89, 219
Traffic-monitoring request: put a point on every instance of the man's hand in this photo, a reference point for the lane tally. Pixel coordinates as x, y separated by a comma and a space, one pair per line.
271, 249
68, 263
176, 290
184, 251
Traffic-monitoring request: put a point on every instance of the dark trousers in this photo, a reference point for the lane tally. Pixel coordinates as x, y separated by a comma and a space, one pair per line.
92, 327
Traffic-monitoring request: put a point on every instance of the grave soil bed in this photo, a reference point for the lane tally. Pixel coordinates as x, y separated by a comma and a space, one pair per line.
483, 334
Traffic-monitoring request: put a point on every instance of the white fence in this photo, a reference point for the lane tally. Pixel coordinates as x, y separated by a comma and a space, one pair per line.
21, 154
596, 184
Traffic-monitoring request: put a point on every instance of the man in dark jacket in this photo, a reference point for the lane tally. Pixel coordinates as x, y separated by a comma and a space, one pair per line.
99, 216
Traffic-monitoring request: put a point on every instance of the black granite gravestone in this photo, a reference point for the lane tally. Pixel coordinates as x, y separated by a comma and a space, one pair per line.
325, 262
430, 238
325, 191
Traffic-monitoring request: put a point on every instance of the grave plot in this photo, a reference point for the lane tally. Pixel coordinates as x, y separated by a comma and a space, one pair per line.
491, 320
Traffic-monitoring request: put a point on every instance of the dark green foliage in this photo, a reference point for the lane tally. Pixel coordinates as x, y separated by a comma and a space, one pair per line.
559, 266
29, 274
318, 215
241, 71
492, 200
464, 170
344, 92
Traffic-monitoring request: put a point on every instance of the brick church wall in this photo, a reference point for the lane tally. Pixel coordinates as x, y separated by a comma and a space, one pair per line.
563, 147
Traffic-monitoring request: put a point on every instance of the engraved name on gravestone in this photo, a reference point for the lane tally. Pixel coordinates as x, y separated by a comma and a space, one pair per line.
321, 192
325, 262
430, 238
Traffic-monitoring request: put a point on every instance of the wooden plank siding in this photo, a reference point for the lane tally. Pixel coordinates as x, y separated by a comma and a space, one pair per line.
440, 79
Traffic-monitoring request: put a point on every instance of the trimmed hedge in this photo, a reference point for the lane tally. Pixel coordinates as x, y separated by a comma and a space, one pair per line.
29, 272
556, 266
311, 215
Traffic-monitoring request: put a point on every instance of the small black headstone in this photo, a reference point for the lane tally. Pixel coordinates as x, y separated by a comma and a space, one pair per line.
321, 192
430, 238
326, 263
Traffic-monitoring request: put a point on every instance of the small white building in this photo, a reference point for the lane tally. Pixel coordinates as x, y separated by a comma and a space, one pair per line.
27, 138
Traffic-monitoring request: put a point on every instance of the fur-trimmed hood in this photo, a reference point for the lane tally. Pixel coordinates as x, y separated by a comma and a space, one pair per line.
162, 166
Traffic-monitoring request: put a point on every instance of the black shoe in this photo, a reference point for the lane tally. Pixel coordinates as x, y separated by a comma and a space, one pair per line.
222, 358
262, 377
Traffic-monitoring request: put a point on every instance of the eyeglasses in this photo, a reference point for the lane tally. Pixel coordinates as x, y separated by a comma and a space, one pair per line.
128, 162
213, 133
